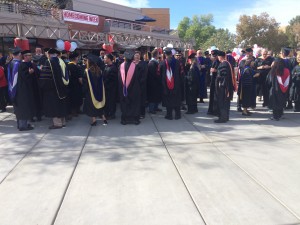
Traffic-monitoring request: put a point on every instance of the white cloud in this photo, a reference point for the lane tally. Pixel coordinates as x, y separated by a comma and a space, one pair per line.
131, 3
282, 11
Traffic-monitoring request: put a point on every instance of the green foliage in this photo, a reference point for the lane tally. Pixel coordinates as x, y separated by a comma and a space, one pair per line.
222, 39
293, 32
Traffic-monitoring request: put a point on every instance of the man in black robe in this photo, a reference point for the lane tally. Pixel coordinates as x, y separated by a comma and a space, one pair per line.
24, 99
110, 79
154, 85
75, 84
53, 82
129, 90
295, 89
213, 106
224, 88
171, 84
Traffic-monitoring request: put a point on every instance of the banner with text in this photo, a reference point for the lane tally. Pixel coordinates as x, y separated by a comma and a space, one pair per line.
79, 17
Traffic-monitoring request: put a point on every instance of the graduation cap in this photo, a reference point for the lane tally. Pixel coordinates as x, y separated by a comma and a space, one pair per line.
92, 58
128, 54
110, 56
73, 55
286, 50
53, 51
122, 52
221, 53
192, 55
228, 52
249, 50
214, 52
46, 49
115, 53
206, 53
84, 56
16, 50
26, 52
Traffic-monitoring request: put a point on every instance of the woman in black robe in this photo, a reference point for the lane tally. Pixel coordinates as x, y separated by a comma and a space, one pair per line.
192, 85
278, 80
93, 89
295, 89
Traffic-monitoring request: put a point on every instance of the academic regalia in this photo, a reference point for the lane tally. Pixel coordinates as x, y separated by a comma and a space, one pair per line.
202, 83
224, 90
24, 102
154, 85
213, 106
192, 88
262, 88
110, 79
278, 92
295, 89
142, 66
53, 86
12, 77
247, 92
130, 92
75, 87
94, 92
171, 88
3, 89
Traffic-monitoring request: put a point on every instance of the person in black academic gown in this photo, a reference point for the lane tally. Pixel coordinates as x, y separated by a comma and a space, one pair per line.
295, 89
129, 90
53, 82
110, 79
171, 85
24, 99
93, 89
192, 85
154, 84
75, 84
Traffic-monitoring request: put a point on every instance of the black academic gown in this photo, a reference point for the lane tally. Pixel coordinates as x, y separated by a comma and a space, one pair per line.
110, 79
75, 87
88, 107
224, 90
54, 91
24, 106
295, 89
130, 104
142, 66
154, 85
213, 105
171, 98
247, 92
192, 87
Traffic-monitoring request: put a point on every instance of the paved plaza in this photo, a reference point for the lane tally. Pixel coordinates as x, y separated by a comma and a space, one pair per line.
185, 172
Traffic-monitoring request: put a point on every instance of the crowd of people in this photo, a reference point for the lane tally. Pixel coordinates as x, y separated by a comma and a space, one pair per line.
62, 85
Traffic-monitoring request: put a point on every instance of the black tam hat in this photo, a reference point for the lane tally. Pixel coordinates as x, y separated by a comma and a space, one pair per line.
192, 56
228, 52
53, 51
249, 50
214, 52
93, 58
168, 51
221, 53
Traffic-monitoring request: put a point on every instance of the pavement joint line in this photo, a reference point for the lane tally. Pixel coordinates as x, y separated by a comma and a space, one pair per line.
25, 155
71, 177
250, 176
6, 117
179, 174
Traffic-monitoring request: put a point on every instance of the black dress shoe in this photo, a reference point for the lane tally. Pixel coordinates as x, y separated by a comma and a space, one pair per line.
168, 117
55, 127
158, 110
220, 121
137, 122
94, 123
123, 122
177, 117
239, 109
29, 127
152, 112
105, 122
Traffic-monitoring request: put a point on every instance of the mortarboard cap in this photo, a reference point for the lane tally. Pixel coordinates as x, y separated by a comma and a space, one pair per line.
16, 50
228, 52
286, 50
249, 50
167, 50
128, 54
92, 58
214, 52
26, 52
73, 55
46, 49
221, 53
206, 53
122, 52
53, 51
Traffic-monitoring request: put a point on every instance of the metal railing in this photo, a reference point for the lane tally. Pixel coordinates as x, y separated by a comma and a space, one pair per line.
135, 26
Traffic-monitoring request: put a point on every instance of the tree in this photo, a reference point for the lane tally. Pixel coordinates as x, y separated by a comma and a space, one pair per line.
222, 39
261, 30
198, 28
293, 32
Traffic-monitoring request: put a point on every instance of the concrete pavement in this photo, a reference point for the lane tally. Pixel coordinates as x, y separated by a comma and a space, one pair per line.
185, 172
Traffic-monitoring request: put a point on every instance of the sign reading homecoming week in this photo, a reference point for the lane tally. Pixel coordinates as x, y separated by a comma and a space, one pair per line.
78, 17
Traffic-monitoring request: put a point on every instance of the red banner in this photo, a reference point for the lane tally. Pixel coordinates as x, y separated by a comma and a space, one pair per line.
78, 17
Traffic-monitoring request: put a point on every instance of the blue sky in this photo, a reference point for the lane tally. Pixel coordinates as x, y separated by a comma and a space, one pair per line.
226, 12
